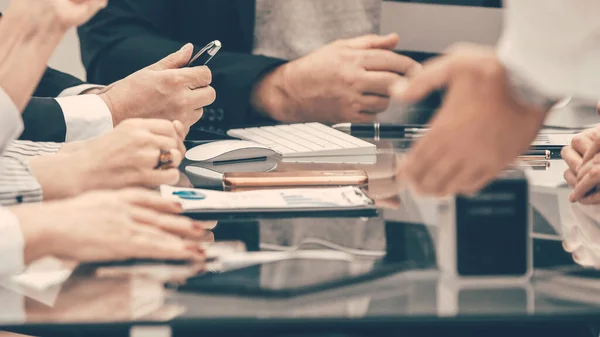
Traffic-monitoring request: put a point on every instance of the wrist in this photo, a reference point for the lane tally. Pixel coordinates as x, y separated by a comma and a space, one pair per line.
527, 93
269, 95
107, 100
33, 22
35, 231
47, 168
29, 36
92, 91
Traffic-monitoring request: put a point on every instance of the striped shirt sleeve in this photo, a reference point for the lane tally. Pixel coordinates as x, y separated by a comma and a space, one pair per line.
17, 182
24, 149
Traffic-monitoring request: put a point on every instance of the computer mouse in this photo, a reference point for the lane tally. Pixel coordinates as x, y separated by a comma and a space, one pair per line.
228, 150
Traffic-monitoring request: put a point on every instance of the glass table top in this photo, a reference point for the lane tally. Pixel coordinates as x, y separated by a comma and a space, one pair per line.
565, 237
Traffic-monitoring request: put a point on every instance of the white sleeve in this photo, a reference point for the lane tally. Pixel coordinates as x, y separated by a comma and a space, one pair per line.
11, 243
78, 89
554, 45
86, 116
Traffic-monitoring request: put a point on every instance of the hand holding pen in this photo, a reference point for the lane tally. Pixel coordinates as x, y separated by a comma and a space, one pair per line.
205, 54
167, 89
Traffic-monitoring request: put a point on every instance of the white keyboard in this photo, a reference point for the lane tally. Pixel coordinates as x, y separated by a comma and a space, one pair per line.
306, 140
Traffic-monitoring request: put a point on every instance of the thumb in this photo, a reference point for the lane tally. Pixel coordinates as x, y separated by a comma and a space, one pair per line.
176, 60
373, 41
434, 75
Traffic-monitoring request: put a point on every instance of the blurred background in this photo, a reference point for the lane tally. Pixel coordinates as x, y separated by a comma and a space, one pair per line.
461, 20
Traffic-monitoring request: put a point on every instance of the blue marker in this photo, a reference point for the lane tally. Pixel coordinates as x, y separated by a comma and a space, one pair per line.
190, 195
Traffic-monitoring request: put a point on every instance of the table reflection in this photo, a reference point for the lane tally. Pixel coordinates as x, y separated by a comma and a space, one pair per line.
406, 231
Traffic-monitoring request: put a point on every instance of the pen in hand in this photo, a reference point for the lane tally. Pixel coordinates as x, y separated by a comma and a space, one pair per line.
205, 54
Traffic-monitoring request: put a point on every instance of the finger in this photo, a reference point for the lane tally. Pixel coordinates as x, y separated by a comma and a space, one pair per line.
362, 118
178, 225
155, 178
591, 152
386, 60
585, 169
151, 200
421, 160
584, 186
151, 243
176, 157
573, 240
373, 41
199, 98
209, 224
570, 178
195, 77
444, 181
180, 129
165, 143
581, 143
158, 126
582, 257
591, 199
378, 82
177, 152
434, 75
571, 157
176, 60
374, 104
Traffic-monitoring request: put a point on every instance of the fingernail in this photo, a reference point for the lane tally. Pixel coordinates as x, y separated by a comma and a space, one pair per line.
566, 246
198, 225
576, 257
178, 207
185, 47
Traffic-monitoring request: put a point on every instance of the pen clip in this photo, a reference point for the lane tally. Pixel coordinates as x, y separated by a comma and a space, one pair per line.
211, 48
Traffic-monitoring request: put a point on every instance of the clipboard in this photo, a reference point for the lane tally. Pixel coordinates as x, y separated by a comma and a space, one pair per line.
339, 202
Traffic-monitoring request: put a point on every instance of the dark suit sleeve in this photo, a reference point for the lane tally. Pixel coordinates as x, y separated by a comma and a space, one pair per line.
54, 82
44, 121
131, 34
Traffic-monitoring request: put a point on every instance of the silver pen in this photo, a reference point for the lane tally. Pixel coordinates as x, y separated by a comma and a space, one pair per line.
205, 54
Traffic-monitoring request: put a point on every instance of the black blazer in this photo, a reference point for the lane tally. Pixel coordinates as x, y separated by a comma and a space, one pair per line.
131, 34
43, 117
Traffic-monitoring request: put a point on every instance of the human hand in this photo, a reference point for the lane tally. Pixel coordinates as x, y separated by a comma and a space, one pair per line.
573, 154
110, 226
582, 239
64, 13
125, 157
583, 159
163, 90
345, 81
480, 128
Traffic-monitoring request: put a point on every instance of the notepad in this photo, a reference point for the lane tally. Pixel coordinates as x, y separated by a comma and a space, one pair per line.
336, 199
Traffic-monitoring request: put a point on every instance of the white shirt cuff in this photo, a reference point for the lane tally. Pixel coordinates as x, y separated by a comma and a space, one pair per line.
11, 244
78, 89
86, 116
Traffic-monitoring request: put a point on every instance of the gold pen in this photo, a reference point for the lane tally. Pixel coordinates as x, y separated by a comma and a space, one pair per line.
536, 155
534, 164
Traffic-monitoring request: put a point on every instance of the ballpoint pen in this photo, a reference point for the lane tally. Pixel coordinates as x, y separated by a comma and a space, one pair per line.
205, 54
376, 128
536, 155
